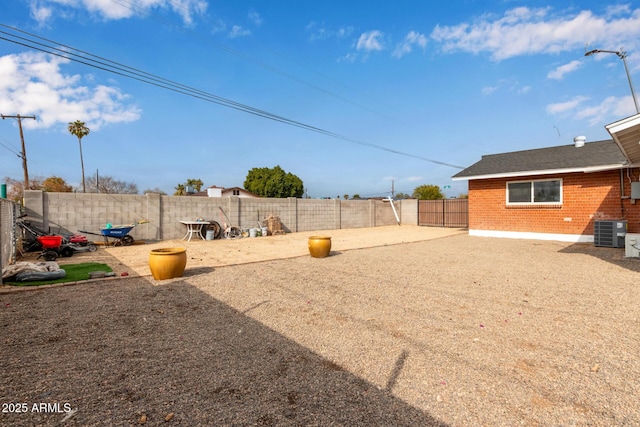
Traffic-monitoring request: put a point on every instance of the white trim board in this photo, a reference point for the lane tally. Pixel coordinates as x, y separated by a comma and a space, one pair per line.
572, 238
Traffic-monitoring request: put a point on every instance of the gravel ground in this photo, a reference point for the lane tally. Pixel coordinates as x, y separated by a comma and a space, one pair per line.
427, 327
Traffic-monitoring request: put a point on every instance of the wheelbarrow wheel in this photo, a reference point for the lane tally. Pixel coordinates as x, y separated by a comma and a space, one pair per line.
50, 255
127, 240
92, 247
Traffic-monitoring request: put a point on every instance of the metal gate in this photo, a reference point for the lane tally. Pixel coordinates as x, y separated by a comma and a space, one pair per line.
444, 213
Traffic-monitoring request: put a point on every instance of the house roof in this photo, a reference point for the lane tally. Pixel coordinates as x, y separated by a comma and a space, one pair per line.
626, 133
224, 190
592, 157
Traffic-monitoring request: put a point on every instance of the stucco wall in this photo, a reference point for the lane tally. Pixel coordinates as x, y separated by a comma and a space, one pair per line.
586, 197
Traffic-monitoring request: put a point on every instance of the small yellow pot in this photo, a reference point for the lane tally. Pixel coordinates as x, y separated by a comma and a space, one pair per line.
167, 263
319, 246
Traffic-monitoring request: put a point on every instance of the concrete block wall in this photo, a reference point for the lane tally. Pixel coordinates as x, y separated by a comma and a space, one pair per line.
67, 213
316, 214
355, 213
384, 213
253, 211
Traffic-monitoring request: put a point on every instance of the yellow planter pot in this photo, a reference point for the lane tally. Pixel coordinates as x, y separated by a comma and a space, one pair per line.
319, 246
167, 263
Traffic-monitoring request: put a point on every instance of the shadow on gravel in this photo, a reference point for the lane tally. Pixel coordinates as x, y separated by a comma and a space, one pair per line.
194, 271
611, 255
126, 349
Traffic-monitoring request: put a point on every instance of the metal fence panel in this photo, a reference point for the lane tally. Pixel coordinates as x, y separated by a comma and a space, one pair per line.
444, 213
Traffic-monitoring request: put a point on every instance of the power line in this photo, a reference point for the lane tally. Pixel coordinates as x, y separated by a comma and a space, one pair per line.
11, 150
145, 11
123, 70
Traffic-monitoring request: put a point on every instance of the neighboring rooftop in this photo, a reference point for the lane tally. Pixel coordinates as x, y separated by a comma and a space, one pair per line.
591, 157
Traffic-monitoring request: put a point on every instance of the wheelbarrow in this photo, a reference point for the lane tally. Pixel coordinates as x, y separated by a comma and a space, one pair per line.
119, 235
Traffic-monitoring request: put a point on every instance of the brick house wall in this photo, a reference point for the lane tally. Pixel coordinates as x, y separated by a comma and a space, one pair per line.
585, 197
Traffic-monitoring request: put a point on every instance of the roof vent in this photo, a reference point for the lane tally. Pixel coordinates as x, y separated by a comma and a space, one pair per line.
578, 141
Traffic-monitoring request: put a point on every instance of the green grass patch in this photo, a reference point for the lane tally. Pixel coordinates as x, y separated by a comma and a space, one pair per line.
74, 273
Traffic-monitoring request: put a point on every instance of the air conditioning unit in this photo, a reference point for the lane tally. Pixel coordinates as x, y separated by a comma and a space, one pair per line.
610, 234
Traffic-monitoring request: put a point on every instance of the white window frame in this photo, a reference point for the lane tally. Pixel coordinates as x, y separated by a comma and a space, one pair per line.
531, 202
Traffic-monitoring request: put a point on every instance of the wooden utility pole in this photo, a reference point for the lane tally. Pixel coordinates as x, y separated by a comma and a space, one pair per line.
24, 152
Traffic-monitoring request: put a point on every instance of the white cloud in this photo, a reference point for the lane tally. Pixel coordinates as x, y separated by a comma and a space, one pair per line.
238, 31
111, 10
410, 40
618, 9
349, 57
523, 90
611, 107
320, 32
559, 72
40, 13
218, 26
562, 107
509, 85
255, 18
488, 90
33, 84
370, 40
526, 31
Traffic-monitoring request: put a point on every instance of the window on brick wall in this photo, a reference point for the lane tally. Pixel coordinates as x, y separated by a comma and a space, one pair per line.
544, 191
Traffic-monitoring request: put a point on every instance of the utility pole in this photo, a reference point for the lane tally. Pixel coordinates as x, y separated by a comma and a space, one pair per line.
24, 152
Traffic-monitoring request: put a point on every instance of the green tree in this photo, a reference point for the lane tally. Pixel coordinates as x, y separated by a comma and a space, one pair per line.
346, 197
400, 196
80, 130
427, 192
355, 197
273, 182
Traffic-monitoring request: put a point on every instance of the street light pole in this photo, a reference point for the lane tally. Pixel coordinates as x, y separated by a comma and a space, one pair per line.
622, 55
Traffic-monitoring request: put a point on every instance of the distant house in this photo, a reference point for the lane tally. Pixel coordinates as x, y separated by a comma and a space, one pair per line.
214, 191
557, 193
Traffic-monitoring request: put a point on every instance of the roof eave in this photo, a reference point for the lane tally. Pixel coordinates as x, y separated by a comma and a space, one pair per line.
626, 135
587, 169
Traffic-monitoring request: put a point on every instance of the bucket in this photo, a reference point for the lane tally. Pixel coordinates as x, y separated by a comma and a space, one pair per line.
253, 232
210, 234
265, 230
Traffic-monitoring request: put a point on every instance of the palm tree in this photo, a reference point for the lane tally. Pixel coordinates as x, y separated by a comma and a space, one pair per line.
80, 130
180, 190
195, 183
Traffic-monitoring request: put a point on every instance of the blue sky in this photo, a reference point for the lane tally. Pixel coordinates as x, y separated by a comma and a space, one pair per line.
443, 81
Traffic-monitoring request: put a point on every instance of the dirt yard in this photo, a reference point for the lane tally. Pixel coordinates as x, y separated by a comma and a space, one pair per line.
399, 326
